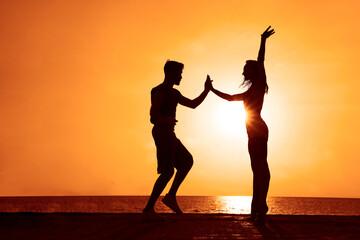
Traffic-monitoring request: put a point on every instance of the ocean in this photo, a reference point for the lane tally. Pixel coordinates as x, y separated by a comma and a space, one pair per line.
189, 204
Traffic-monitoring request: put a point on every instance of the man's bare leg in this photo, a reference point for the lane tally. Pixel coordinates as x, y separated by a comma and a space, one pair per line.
170, 198
159, 186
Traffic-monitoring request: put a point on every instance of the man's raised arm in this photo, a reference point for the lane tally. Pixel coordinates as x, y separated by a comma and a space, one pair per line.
197, 101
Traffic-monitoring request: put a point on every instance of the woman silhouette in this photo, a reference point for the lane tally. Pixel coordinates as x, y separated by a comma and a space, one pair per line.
257, 130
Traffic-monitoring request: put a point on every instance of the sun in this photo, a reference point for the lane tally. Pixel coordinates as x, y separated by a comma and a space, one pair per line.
230, 118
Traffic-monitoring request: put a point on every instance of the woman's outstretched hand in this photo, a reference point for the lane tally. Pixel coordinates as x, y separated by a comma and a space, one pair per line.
268, 32
208, 83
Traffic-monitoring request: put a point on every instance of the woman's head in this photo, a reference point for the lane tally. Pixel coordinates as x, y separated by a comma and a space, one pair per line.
250, 70
251, 73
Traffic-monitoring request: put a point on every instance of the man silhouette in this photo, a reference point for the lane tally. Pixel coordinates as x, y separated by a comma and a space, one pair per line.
171, 153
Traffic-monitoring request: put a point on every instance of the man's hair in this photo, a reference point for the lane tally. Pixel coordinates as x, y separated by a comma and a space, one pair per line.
172, 67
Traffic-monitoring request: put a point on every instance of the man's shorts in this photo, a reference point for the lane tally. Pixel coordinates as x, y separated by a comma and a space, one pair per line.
171, 153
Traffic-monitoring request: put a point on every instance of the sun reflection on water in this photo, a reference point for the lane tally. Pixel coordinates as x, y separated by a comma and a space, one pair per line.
235, 204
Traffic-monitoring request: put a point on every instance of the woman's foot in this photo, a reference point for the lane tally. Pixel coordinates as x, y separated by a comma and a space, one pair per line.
260, 220
252, 217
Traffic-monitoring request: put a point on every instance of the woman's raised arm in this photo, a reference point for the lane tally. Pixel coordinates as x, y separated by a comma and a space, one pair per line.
268, 32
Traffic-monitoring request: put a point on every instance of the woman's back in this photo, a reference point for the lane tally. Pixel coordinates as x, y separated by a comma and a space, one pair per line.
253, 103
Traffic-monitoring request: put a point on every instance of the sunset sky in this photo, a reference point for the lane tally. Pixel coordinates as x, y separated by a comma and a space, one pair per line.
75, 81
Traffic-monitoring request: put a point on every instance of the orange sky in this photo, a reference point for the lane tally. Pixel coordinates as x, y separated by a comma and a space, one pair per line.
75, 95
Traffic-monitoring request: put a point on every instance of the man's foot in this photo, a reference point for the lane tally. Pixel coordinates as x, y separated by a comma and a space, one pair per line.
171, 203
148, 211
149, 215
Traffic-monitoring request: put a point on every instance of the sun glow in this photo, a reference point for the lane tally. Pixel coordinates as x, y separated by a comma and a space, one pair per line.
236, 204
230, 118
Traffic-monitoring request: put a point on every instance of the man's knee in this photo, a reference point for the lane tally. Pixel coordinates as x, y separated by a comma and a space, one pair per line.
168, 173
185, 163
268, 175
189, 162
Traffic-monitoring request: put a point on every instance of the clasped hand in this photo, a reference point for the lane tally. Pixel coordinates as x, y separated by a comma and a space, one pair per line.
208, 83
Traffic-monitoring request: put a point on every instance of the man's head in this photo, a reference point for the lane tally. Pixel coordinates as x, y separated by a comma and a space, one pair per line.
173, 71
